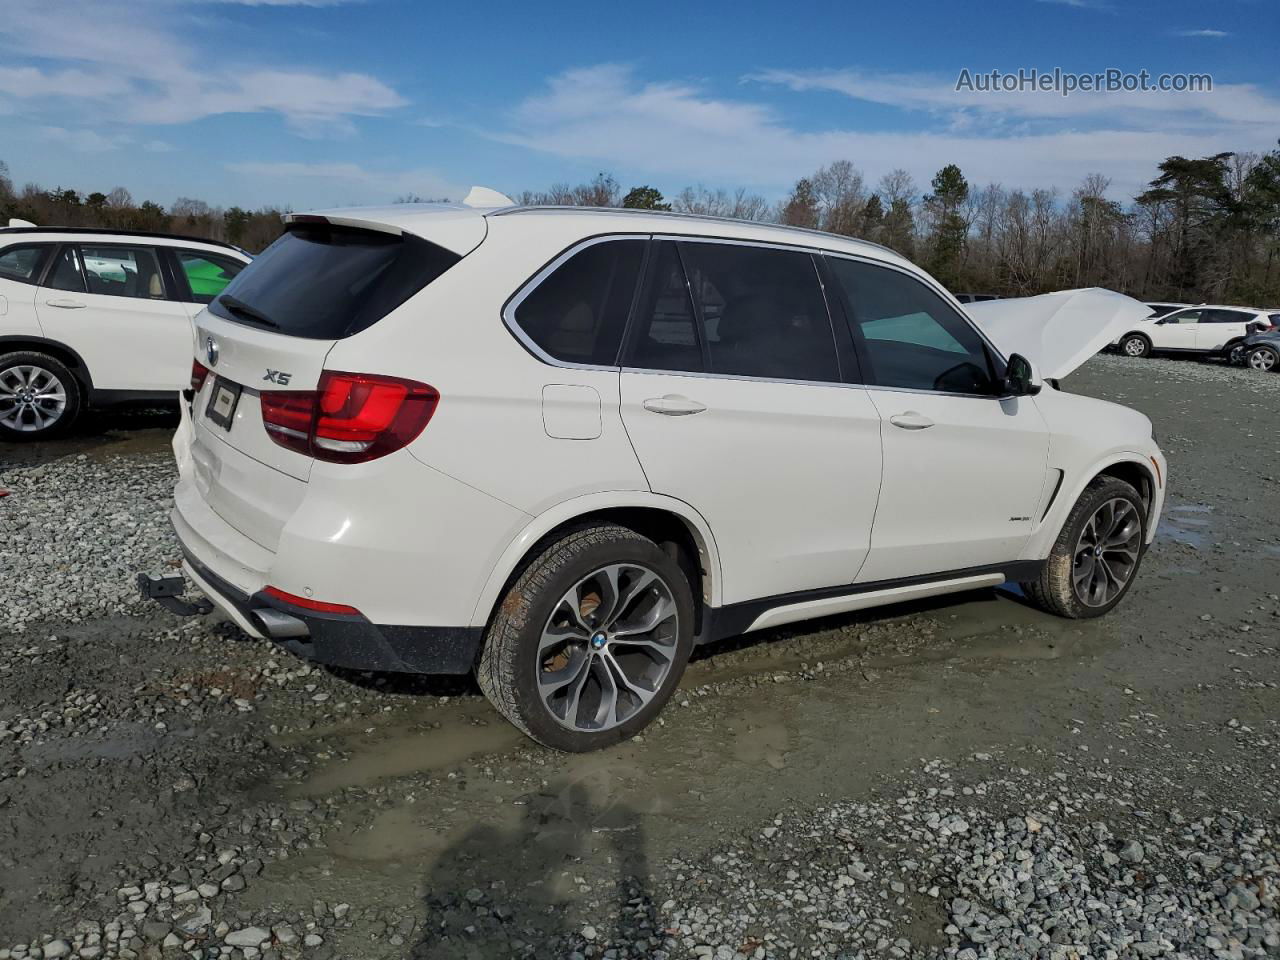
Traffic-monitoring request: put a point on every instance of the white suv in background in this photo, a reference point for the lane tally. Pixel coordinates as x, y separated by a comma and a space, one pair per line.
96, 317
559, 447
1205, 329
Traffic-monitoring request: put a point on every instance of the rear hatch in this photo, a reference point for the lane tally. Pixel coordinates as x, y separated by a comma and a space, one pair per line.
264, 342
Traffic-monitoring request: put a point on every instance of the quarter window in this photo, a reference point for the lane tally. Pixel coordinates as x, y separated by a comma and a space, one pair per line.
911, 337
116, 271
66, 273
23, 263
207, 275
578, 312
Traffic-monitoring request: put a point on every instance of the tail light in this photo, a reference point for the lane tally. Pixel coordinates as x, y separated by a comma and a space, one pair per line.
199, 373
349, 417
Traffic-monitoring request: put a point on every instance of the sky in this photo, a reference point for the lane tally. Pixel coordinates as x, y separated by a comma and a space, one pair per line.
317, 103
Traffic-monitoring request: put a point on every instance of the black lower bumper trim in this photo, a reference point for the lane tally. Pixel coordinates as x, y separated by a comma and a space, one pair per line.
356, 643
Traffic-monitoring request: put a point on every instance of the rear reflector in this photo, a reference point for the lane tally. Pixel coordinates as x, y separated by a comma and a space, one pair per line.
199, 373
306, 603
350, 417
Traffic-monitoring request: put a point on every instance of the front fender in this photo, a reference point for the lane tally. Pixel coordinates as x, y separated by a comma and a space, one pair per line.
1046, 532
568, 510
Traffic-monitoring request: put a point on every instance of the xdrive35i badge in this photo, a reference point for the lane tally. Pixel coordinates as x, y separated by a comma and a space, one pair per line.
211, 351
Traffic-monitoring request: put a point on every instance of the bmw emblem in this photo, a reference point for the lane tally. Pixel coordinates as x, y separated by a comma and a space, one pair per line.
211, 351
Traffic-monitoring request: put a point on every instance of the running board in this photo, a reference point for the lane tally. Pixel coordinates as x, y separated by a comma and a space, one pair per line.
810, 609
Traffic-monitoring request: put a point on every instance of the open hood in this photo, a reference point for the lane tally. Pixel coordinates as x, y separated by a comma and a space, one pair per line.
1058, 331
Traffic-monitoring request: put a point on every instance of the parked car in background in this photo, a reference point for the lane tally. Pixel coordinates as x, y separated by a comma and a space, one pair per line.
1159, 310
90, 318
1262, 350
976, 297
1207, 330
560, 446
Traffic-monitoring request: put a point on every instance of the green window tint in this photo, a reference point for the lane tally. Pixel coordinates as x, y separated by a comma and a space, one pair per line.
207, 275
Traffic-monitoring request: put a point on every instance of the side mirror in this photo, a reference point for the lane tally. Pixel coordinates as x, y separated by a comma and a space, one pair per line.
1021, 379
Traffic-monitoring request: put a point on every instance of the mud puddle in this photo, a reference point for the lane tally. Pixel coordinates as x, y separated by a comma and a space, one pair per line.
1190, 524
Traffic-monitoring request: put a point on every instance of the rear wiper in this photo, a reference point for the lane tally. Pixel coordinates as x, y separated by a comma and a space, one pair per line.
246, 312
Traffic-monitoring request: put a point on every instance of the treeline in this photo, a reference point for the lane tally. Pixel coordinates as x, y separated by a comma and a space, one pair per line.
251, 229
1205, 229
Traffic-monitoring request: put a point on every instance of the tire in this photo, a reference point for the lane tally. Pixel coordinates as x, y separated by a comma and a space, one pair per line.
518, 662
1135, 345
39, 398
1235, 353
1263, 359
1058, 589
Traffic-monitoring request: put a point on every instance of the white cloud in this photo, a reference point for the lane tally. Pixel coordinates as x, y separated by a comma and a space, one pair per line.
1079, 4
144, 70
83, 141
1225, 104
605, 115
1212, 34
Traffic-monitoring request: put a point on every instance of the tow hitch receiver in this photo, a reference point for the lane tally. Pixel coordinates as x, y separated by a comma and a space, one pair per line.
168, 591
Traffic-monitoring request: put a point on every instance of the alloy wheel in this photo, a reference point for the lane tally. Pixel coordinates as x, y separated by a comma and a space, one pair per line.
1107, 552
1134, 347
1263, 359
31, 398
1236, 355
607, 647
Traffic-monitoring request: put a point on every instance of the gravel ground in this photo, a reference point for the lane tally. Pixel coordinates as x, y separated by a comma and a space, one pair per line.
966, 778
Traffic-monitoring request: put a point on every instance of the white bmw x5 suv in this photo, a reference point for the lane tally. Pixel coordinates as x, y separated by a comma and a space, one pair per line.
560, 447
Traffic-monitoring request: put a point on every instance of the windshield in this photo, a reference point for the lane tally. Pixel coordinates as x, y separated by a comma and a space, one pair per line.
325, 283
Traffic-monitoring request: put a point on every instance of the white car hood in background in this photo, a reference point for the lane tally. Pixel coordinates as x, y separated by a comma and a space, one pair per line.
1058, 331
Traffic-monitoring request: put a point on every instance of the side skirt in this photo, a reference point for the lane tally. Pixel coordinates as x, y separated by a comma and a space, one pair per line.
737, 618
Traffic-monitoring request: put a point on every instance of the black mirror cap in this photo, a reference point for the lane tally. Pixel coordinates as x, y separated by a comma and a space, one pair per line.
1019, 378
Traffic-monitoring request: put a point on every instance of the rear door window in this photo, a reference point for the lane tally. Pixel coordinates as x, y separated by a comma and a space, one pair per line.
207, 274
762, 312
1227, 316
23, 263
326, 282
120, 271
577, 313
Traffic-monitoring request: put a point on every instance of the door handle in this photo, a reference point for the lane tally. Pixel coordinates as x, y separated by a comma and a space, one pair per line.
911, 420
65, 304
673, 405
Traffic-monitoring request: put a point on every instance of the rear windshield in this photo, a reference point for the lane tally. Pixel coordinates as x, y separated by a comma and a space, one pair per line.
326, 283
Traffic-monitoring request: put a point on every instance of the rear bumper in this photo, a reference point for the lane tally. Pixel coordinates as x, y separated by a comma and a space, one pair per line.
352, 642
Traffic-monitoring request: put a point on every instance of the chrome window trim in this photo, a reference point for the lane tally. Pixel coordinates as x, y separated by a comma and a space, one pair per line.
526, 289
810, 383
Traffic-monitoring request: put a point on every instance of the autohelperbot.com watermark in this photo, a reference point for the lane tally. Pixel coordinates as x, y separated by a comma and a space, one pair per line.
1065, 82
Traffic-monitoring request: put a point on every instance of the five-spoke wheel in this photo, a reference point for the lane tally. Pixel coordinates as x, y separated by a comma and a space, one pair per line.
591, 639
1107, 552
607, 647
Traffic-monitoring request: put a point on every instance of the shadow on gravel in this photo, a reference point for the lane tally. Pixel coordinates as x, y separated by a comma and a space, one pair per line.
498, 891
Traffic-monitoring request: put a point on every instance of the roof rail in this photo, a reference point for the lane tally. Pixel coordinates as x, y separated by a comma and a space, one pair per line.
678, 215
11, 230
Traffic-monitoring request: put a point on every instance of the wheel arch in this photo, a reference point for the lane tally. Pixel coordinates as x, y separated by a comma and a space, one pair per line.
60, 351
665, 520
1131, 467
